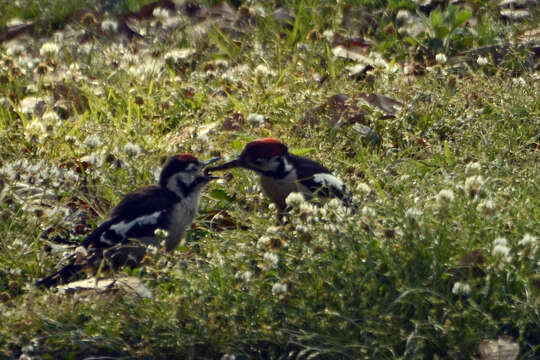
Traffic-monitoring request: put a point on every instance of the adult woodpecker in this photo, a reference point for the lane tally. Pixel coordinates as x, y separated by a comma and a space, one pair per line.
282, 173
122, 239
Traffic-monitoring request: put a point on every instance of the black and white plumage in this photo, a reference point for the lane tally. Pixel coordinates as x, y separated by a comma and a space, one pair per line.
123, 237
282, 173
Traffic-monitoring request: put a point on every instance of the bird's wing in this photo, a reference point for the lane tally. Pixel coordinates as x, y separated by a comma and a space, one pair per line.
318, 179
138, 215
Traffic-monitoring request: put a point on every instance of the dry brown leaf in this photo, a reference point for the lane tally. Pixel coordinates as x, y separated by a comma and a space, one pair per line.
386, 104
131, 285
235, 122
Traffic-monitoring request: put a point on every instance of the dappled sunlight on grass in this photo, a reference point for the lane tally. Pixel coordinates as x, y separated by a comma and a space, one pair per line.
442, 254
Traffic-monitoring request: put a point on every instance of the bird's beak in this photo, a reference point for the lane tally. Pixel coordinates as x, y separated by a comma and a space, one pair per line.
207, 172
211, 161
228, 165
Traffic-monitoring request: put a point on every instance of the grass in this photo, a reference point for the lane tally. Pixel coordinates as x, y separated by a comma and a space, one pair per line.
442, 254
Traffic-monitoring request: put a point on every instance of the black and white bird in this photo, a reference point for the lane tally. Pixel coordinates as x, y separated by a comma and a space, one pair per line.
123, 238
282, 173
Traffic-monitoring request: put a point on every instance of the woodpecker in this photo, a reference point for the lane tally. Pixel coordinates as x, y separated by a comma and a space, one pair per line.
123, 237
282, 173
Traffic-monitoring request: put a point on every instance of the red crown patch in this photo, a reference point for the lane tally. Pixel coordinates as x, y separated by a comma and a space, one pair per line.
265, 148
186, 157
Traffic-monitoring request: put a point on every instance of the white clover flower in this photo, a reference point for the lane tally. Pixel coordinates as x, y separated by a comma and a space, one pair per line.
273, 230
302, 229
403, 15
92, 141
486, 207
302, 46
519, 82
473, 168
131, 149
160, 13
334, 203
330, 227
500, 251
368, 212
161, 234
256, 120
70, 139
440, 58
71, 176
30, 104
263, 242
308, 208
460, 288
153, 250
221, 63
473, 184
271, 260
528, 240
295, 199
81, 251
263, 70
444, 197
328, 35
244, 275
31, 88
109, 25
177, 55
279, 289
482, 60
500, 248
14, 48
50, 117
500, 241
15, 271
363, 188
57, 212
413, 213
94, 159
36, 127
49, 49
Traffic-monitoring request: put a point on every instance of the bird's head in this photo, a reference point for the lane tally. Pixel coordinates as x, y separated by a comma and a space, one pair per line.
265, 156
183, 174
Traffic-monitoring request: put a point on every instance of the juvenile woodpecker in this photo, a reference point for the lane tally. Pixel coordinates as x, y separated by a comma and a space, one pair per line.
123, 237
282, 173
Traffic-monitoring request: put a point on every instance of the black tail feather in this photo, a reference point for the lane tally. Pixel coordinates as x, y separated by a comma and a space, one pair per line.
61, 276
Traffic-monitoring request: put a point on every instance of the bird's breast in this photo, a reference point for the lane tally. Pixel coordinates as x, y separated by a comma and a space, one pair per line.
182, 216
277, 190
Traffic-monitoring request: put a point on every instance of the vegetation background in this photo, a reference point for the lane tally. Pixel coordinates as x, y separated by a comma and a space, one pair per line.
429, 110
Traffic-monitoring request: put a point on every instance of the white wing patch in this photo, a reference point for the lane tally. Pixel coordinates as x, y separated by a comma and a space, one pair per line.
328, 180
105, 241
122, 228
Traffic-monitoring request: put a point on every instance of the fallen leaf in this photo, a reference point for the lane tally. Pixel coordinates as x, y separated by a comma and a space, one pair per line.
131, 285
221, 220
283, 16
235, 122
514, 14
15, 30
500, 349
357, 19
386, 104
